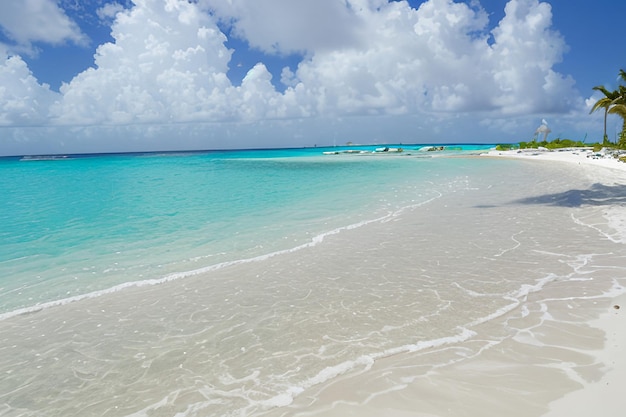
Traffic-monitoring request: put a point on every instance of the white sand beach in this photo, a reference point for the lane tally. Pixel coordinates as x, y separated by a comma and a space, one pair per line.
488, 287
560, 356
583, 156
606, 393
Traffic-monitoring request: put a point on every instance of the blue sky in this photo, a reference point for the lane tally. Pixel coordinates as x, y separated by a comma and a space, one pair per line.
128, 75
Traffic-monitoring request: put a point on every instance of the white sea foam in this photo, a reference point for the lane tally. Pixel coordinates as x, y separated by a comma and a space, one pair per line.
616, 219
363, 363
314, 241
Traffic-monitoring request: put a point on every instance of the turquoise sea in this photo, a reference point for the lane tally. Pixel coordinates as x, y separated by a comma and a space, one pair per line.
242, 283
80, 224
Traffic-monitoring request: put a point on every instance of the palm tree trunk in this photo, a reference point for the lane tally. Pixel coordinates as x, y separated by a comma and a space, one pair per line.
605, 138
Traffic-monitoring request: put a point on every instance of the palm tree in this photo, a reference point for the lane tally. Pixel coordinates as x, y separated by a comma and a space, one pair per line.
618, 106
613, 102
605, 103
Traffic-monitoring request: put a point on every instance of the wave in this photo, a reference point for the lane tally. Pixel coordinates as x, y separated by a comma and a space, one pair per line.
614, 227
314, 241
366, 362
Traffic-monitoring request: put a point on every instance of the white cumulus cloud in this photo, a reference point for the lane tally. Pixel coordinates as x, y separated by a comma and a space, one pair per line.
23, 101
285, 27
168, 63
29, 21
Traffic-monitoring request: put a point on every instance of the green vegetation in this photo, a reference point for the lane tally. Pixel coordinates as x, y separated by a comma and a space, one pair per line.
506, 147
555, 144
613, 102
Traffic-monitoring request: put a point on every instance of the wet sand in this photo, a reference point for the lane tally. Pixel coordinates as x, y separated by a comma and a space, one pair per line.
490, 303
605, 391
563, 356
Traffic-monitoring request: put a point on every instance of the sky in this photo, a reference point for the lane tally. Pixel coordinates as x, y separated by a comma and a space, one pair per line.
83, 76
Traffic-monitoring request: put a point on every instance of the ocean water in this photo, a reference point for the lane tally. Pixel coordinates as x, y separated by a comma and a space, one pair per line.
240, 283
78, 225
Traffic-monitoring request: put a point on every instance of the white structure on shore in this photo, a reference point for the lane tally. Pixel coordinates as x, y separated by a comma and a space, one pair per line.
542, 129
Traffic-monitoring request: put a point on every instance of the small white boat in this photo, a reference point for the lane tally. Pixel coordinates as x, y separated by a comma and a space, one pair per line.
386, 149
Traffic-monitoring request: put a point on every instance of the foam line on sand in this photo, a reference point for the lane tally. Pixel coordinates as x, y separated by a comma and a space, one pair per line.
605, 396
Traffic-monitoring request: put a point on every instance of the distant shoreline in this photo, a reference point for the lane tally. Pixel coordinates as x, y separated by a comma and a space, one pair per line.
571, 155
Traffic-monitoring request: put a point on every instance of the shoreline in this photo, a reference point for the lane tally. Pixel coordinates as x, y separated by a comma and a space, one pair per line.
567, 366
434, 315
560, 352
583, 156
605, 393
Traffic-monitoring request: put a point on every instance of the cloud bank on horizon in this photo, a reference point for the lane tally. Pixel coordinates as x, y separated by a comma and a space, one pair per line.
367, 70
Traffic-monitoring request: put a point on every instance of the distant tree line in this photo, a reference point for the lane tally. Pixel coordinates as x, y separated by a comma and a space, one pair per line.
554, 144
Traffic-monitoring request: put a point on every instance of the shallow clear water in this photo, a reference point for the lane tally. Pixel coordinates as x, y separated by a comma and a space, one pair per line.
259, 277
78, 225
